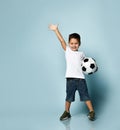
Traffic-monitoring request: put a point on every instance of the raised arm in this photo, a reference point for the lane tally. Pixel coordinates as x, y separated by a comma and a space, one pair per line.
58, 34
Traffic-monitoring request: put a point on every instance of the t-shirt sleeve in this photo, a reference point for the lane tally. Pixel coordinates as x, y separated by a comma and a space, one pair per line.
67, 48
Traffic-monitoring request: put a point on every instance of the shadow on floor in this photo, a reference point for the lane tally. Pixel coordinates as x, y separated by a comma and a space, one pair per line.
99, 92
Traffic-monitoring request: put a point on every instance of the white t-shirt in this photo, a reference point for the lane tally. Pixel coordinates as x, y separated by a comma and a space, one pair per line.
73, 63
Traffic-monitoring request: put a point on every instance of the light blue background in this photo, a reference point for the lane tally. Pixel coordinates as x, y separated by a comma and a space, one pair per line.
32, 63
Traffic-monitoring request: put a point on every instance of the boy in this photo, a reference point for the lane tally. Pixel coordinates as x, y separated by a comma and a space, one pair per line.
75, 79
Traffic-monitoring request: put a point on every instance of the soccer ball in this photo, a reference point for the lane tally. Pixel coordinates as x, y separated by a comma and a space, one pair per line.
89, 65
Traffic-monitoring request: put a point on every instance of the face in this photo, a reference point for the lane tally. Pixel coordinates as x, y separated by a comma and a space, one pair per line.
74, 44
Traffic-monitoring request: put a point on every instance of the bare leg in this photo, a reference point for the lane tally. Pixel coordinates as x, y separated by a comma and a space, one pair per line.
89, 105
67, 106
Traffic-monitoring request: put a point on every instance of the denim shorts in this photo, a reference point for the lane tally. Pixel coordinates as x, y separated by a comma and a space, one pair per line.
73, 84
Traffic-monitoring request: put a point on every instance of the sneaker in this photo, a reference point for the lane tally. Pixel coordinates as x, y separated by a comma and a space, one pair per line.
91, 115
65, 116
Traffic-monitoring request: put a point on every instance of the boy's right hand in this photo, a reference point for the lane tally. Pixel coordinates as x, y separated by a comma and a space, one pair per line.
53, 27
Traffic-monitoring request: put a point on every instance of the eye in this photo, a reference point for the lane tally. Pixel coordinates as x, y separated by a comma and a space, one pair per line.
76, 43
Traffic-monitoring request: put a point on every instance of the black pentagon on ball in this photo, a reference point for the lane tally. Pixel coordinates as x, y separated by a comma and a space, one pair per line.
83, 68
92, 66
96, 69
86, 60
90, 73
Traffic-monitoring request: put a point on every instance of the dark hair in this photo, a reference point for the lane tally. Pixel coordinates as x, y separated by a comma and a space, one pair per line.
76, 36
